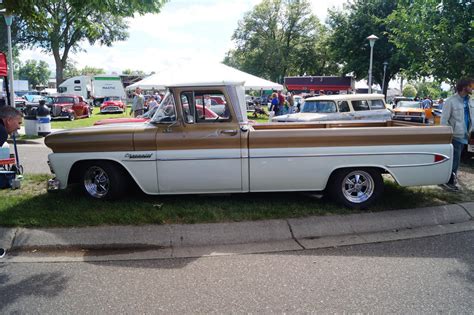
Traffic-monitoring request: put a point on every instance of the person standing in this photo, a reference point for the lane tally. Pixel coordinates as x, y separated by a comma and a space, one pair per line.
458, 112
138, 103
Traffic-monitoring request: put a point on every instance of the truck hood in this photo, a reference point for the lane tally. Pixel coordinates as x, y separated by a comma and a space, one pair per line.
104, 138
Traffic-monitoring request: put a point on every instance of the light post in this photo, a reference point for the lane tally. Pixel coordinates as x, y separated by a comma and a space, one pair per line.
385, 64
372, 38
9, 21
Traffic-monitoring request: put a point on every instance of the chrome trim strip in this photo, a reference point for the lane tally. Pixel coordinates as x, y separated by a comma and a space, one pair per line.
200, 159
314, 155
416, 165
349, 154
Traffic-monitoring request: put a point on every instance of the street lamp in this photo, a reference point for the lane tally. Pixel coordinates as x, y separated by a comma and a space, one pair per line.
372, 38
385, 64
9, 21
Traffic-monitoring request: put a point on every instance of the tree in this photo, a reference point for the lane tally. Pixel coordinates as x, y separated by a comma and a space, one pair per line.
87, 70
70, 69
409, 91
350, 28
436, 36
432, 89
36, 72
59, 26
133, 72
278, 38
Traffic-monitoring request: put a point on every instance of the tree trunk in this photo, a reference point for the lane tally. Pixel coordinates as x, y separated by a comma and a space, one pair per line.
59, 73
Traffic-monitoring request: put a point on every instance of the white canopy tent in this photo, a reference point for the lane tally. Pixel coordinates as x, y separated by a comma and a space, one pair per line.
198, 72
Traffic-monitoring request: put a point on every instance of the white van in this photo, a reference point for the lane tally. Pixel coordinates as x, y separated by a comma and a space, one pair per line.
340, 107
93, 88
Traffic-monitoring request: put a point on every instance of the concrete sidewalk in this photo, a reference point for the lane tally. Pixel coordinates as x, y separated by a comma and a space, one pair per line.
249, 237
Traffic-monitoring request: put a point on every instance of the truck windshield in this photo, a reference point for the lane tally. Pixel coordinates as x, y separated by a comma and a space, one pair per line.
166, 111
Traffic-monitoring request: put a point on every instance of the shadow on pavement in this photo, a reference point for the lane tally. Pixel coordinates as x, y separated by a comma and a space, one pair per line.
41, 285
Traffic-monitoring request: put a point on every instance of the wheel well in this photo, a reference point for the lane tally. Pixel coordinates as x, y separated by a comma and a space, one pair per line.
75, 172
333, 173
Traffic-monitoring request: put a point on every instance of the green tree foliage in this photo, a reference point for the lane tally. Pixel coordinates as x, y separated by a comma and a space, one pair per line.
350, 28
87, 70
409, 91
278, 38
432, 89
36, 72
133, 72
70, 70
437, 37
59, 26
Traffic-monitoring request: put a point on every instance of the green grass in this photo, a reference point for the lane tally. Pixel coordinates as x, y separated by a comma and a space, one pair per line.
85, 122
260, 118
32, 206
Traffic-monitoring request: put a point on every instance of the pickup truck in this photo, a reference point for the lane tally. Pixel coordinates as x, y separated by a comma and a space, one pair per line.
182, 151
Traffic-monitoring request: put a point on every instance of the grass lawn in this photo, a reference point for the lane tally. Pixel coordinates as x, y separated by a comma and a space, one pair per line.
32, 206
85, 122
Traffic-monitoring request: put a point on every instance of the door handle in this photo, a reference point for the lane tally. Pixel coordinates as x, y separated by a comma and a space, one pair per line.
231, 132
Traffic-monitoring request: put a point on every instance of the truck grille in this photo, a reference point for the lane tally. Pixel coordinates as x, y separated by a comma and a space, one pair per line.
56, 110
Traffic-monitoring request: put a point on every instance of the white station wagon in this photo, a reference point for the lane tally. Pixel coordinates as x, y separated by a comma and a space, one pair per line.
340, 107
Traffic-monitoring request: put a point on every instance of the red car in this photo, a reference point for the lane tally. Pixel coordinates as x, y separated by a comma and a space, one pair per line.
112, 104
147, 116
68, 106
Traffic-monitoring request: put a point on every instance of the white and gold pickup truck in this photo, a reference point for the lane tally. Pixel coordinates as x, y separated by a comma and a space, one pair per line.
181, 150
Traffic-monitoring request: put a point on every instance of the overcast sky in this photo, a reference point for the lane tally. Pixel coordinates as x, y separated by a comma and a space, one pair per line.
185, 30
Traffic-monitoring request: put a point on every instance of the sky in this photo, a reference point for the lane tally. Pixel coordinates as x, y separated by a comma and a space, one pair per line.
185, 30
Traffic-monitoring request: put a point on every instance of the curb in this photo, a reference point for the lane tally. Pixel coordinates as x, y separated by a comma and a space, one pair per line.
291, 234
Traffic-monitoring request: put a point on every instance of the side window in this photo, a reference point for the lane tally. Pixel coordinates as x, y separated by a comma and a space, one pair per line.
205, 106
344, 107
360, 105
77, 88
376, 104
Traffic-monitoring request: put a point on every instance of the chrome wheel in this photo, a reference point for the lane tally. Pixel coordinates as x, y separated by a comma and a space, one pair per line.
358, 186
96, 182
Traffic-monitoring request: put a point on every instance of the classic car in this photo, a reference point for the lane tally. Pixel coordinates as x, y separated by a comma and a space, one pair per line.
68, 106
147, 116
112, 104
412, 111
180, 151
340, 107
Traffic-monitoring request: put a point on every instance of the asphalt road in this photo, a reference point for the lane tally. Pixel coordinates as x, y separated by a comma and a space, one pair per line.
429, 275
34, 157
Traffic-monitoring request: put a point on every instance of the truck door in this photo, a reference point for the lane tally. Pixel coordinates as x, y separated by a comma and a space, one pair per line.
201, 152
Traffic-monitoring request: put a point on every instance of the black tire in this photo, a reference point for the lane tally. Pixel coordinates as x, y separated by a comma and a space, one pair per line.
103, 180
97, 103
356, 188
71, 116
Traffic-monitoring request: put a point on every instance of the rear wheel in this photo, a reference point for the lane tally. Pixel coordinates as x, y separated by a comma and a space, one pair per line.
356, 187
103, 180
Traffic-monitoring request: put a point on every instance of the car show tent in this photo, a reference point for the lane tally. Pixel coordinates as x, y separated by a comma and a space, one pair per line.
199, 72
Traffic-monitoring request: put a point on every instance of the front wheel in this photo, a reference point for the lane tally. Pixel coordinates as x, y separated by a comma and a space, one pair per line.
356, 188
103, 180
71, 116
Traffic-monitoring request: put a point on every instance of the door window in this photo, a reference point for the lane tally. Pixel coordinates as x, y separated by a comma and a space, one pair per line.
376, 104
205, 106
344, 107
360, 105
